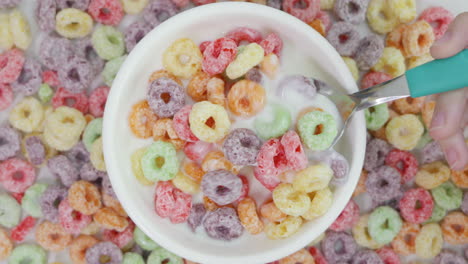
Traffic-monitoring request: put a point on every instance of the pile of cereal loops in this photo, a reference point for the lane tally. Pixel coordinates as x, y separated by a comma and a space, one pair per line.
419, 206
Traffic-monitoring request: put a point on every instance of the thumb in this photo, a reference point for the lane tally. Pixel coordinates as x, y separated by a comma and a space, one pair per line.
454, 40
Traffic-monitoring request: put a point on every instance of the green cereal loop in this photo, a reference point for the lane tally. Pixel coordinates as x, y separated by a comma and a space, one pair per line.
45, 93
92, 132
277, 127
28, 254
10, 211
438, 213
447, 196
160, 255
376, 116
111, 69
384, 224
424, 140
144, 241
308, 124
30, 201
108, 42
132, 258
169, 166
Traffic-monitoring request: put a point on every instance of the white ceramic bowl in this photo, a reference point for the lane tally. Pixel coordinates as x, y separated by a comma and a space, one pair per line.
202, 23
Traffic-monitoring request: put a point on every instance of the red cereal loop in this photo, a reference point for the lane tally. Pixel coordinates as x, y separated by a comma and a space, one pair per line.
404, 162
182, 126
318, 256
438, 16
271, 162
18, 197
294, 151
197, 151
51, 78
71, 220
388, 256
218, 54
11, 64
244, 34
181, 3
6, 96
172, 203
203, 46
121, 239
348, 217
107, 12
374, 78
272, 43
16, 175
306, 13
63, 97
203, 2
97, 101
245, 188
19, 232
325, 18
416, 205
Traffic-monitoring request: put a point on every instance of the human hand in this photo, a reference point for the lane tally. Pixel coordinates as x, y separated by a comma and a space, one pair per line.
451, 111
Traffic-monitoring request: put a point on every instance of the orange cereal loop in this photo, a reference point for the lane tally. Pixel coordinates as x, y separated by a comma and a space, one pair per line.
271, 212
215, 91
79, 246
196, 88
163, 73
404, 242
84, 197
110, 219
142, 119
88, 118
361, 186
418, 38
302, 256
427, 111
270, 65
6, 245
247, 211
460, 178
113, 203
455, 228
193, 170
164, 130
52, 236
209, 204
246, 98
317, 24
395, 38
408, 105
215, 160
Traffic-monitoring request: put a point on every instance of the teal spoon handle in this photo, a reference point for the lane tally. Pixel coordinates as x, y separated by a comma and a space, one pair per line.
439, 76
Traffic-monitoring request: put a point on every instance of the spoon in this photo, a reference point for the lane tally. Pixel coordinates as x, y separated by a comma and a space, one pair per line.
434, 77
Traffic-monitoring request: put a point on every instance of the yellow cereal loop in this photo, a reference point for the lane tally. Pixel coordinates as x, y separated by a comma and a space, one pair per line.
136, 166
321, 202
209, 122
381, 20
361, 234
404, 131
185, 183
19, 28
6, 38
134, 6
58, 143
96, 156
27, 115
183, 58
65, 122
432, 175
270, 65
352, 66
250, 56
284, 229
290, 201
420, 60
47, 111
73, 23
91, 229
313, 178
327, 4
404, 10
429, 241
391, 62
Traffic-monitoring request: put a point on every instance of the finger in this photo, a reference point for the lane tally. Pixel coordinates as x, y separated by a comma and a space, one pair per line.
448, 114
456, 151
454, 40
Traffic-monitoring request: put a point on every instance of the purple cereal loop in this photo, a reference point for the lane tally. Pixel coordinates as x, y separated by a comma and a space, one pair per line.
383, 184
78, 4
376, 151
89, 173
50, 201
107, 186
78, 155
393, 203
104, 249
62, 168
254, 75
275, 3
367, 256
158, 92
35, 150
432, 152
299, 83
54, 51
340, 167
195, 218
158, 11
448, 257
30, 78
338, 246
369, 52
134, 33
223, 224
352, 11
464, 206
45, 15
241, 146
10, 142
9, 3
84, 48
221, 186
344, 37
76, 74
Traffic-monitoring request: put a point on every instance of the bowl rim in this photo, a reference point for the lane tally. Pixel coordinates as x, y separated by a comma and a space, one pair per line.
111, 116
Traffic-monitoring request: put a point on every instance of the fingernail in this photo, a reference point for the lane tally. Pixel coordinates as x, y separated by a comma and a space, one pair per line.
438, 121
451, 156
446, 37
